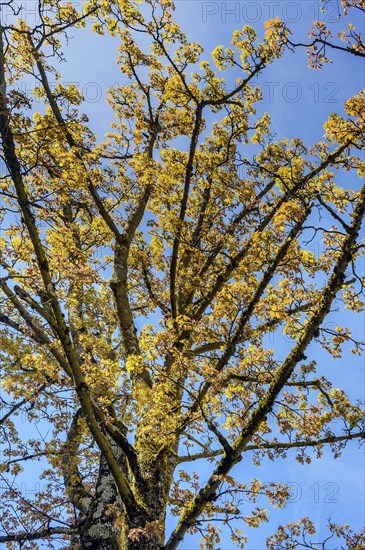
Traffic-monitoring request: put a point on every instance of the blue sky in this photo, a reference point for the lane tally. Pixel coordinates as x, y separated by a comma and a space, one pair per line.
299, 101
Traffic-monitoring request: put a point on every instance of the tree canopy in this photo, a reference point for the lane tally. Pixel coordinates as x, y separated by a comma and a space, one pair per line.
141, 274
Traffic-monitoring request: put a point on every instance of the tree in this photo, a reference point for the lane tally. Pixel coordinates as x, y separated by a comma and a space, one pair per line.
141, 276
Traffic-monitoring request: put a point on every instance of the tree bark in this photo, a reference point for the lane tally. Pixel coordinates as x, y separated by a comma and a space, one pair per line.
106, 526
106, 531
98, 531
154, 486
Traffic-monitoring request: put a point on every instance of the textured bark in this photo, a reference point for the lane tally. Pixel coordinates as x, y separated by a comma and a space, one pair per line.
97, 531
142, 543
101, 530
154, 485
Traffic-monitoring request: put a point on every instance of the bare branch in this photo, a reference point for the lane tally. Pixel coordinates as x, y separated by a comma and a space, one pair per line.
47, 533
275, 446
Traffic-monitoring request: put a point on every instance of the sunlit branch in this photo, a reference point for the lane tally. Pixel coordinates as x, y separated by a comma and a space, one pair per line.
45, 313
183, 207
61, 28
81, 387
6, 320
246, 315
151, 293
202, 304
123, 238
264, 406
276, 446
260, 329
39, 333
333, 213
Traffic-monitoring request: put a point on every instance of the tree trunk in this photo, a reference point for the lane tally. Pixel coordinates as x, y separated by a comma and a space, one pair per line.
106, 528
154, 486
99, 530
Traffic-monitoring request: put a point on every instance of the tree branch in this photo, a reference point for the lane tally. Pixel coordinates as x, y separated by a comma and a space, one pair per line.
276, 446
183, 207
79, 497
37, 535
347, 49
264, 406
20, 404
263, 327
40, 334
246, 315
202, 304
133, 508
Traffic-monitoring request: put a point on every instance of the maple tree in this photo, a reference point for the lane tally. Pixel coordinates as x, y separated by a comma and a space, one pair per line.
142, 274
